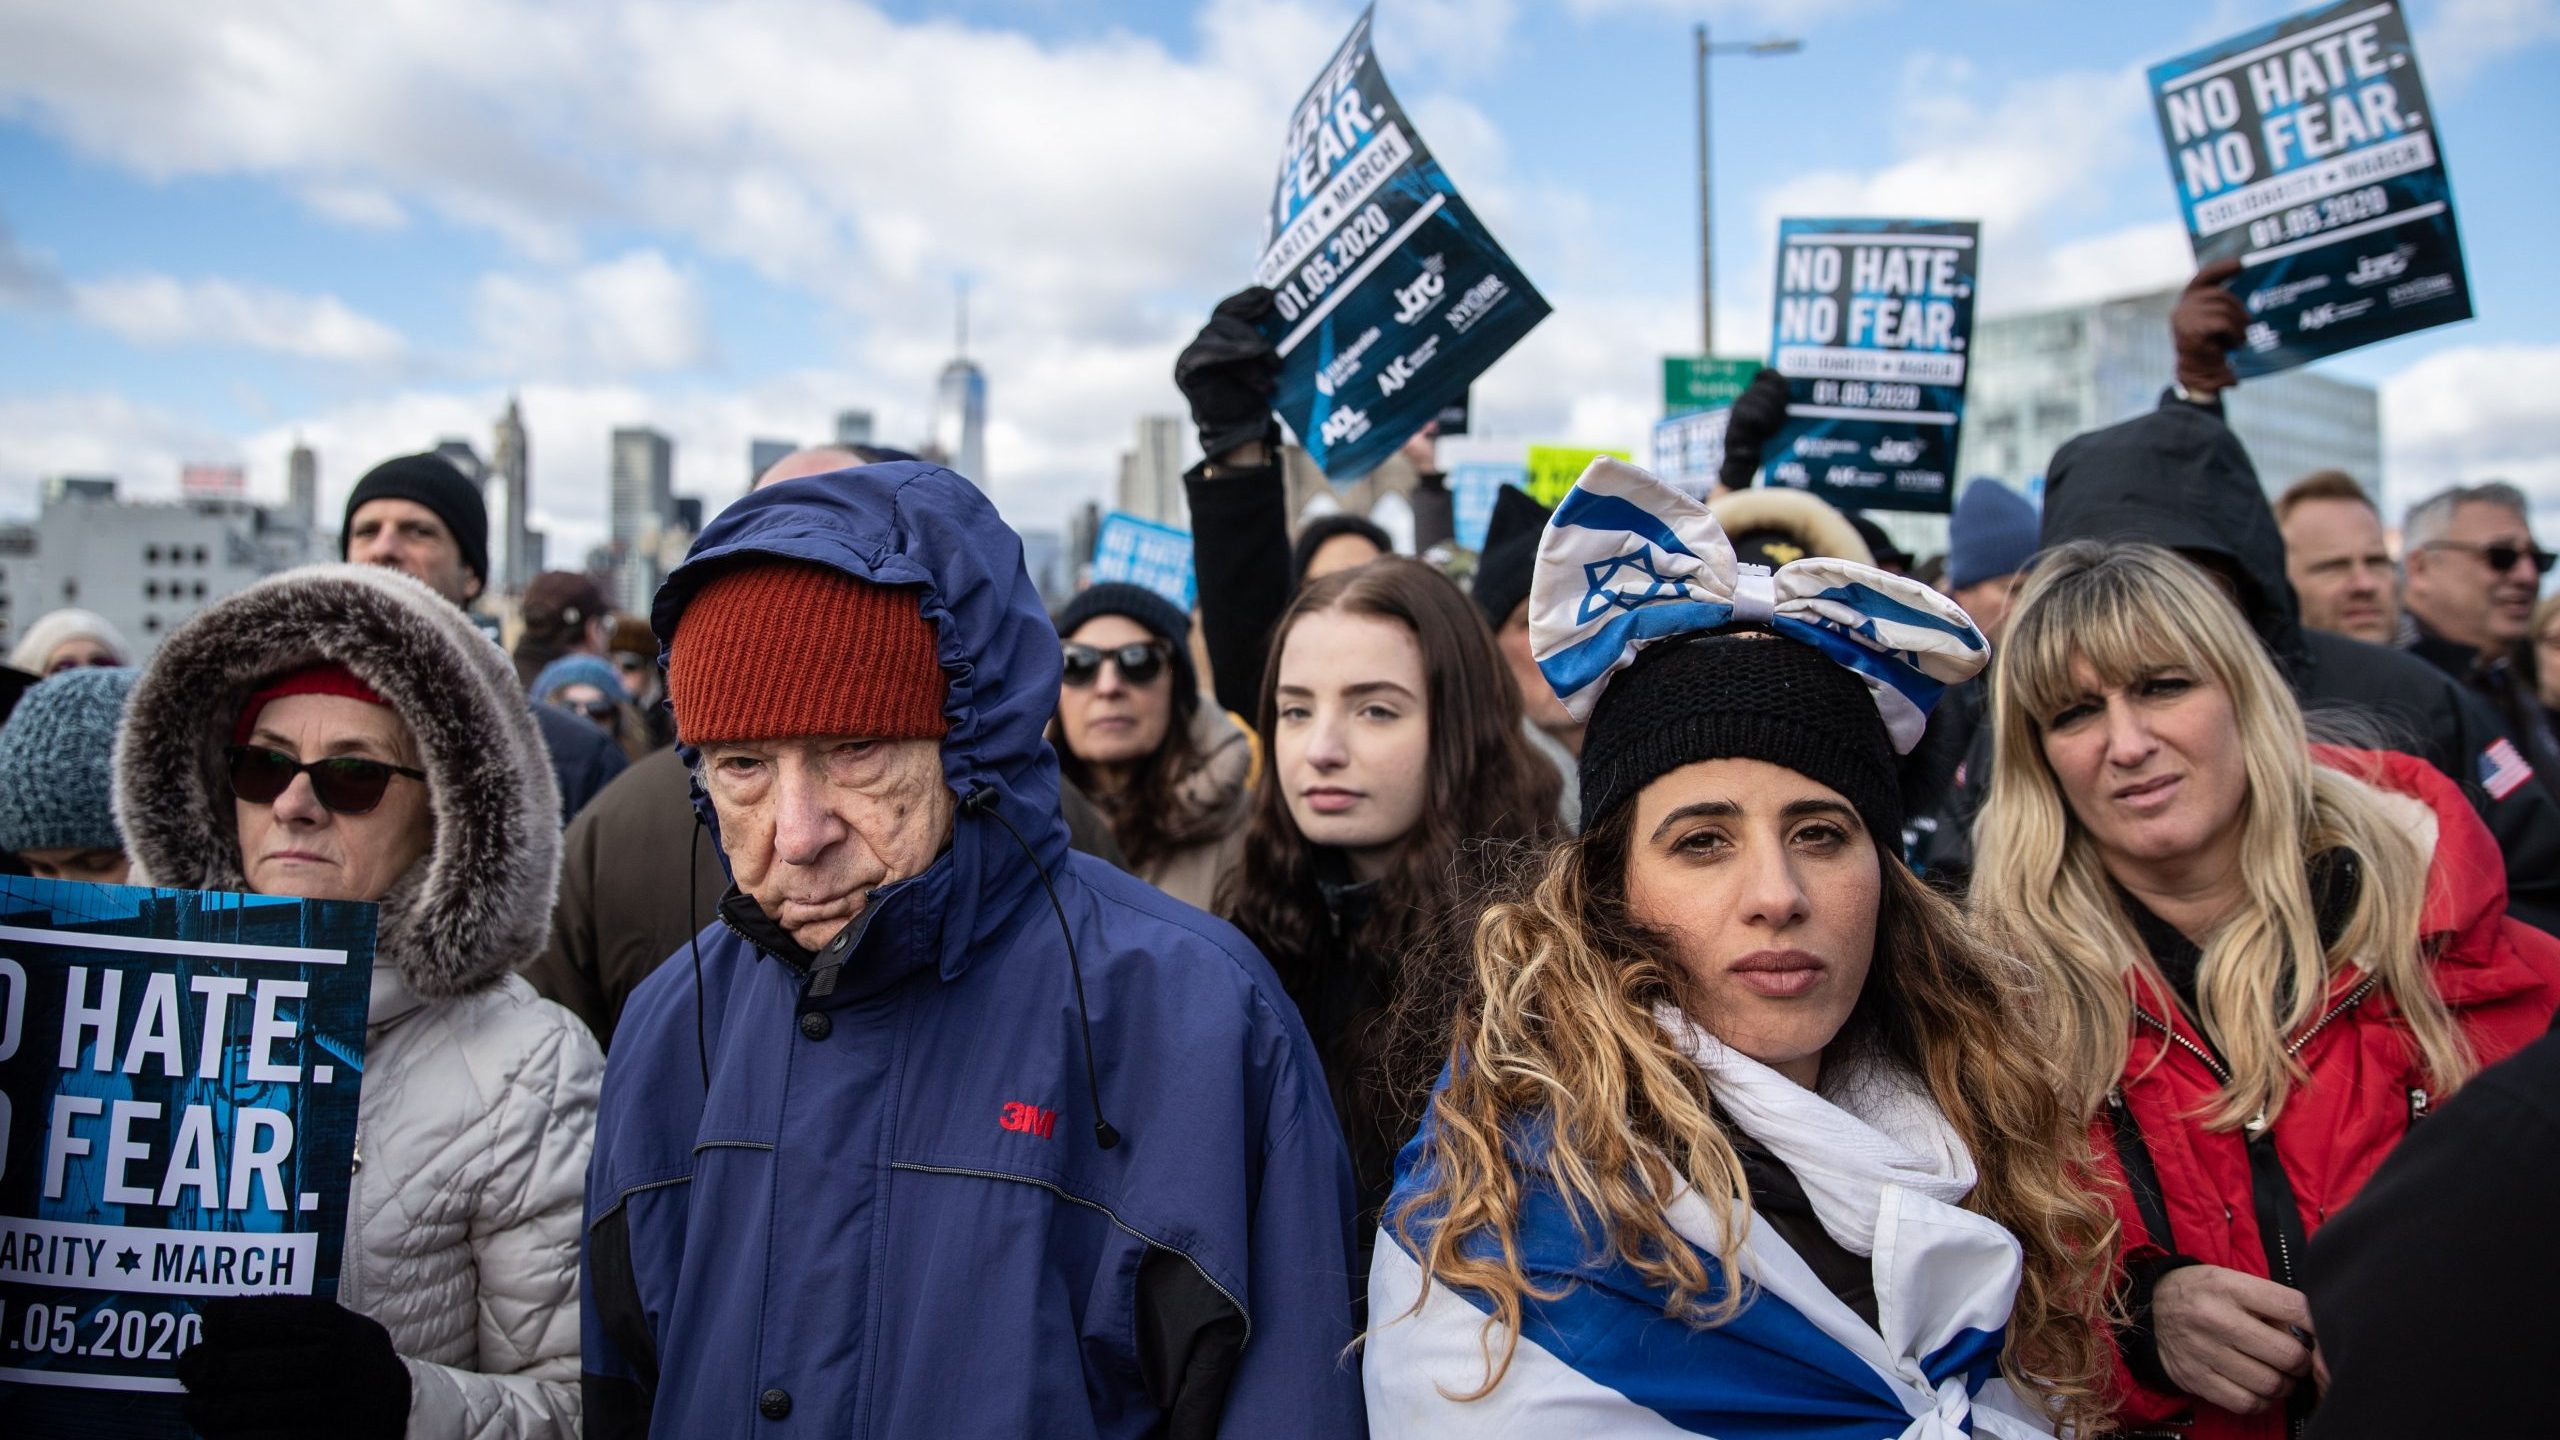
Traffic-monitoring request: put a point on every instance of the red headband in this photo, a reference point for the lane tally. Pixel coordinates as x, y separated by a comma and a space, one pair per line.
326, 678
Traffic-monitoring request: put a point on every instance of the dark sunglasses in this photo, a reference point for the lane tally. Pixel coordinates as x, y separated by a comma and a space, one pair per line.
1139, 663
346, 784
596, 710
2502, 558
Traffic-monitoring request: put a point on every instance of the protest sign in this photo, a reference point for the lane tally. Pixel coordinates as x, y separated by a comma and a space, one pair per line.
1473, 486
1694, 383
1874, 317
1142, 552
2306, 149
1392, 297
179, 1073
1554, 468
1688, 450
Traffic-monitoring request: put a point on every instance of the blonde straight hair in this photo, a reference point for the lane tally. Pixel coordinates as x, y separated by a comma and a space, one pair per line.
2130, 612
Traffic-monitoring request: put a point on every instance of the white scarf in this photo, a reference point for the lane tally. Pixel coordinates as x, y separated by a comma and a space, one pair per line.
1873, 1125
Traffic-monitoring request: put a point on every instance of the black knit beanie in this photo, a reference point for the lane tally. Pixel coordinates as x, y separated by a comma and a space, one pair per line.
432, 481
1155, 614
1510, 557
1744, 695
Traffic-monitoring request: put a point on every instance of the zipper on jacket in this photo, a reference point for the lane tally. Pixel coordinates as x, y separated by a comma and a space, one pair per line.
2277, 1209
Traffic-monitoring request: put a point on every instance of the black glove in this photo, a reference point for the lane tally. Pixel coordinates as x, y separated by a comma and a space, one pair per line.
281, 1367
1229, 372
1758, 412
2207, 324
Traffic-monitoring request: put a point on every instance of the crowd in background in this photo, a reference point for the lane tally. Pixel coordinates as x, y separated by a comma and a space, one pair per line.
2055, 986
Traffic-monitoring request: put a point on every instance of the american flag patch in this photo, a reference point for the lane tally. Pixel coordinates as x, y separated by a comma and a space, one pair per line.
2502, 769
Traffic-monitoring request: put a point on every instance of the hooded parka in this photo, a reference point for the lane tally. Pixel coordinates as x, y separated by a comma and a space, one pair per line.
867, 1193
2250, 1201
479, 1096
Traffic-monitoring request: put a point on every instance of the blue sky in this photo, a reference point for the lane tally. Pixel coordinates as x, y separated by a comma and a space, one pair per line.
225, 226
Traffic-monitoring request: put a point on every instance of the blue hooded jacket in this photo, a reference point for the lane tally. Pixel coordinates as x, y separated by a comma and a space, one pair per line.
890, 1215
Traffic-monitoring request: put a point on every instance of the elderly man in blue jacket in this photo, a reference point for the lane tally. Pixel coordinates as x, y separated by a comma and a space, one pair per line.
937, 1129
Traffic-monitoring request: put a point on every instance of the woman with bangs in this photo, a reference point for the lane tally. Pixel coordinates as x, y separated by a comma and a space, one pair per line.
1740, 1131
2270, 959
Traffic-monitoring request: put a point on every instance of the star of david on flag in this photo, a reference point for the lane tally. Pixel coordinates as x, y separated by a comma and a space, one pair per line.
1628, 561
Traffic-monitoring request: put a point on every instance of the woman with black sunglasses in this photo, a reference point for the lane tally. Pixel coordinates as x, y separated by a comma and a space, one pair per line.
1171, 775
341, 732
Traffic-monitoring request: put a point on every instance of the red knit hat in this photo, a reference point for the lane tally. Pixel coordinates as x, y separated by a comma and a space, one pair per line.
325, 678
783, 648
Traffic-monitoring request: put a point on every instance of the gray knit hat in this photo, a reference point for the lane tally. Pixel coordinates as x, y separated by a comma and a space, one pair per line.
55, 763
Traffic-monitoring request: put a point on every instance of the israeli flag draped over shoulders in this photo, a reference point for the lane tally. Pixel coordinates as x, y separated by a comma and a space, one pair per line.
1796, 1363
1627, 561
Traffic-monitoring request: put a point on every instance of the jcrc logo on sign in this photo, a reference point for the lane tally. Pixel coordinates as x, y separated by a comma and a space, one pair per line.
2375, 269
1417, 299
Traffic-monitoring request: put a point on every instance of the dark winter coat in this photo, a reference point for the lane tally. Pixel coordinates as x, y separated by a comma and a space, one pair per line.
2179, 478
1240, 547
2431, 1294
889, 1212
2248, 1202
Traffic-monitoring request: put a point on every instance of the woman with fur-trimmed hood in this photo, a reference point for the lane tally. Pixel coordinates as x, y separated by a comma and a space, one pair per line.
340, 732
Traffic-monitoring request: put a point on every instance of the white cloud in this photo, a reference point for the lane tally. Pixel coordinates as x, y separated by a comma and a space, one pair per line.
2478, 412
360, 206
160, 310
632, 315
99, 434
2463, 36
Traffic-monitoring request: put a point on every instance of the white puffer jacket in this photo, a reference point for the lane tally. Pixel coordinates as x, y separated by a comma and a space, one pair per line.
478, 1106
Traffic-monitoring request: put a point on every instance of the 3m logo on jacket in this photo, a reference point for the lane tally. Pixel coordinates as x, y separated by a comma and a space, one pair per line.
1029, 1120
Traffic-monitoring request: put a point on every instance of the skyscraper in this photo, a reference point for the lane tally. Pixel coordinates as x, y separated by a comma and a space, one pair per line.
960, 409
644, 509
1151, 474
510, 507
853, 427
302, 486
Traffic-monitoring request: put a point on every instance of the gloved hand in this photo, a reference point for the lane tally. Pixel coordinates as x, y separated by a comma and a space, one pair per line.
1758, 413
2206, 325
1229, 372
274, 1366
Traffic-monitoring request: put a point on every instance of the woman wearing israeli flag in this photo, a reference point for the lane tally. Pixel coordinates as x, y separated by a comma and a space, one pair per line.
1742, 1133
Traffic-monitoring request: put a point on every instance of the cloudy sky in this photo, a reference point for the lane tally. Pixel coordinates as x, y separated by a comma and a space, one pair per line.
225, 225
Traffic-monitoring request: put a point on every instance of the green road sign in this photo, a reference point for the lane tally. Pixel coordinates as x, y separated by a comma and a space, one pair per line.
1690, 383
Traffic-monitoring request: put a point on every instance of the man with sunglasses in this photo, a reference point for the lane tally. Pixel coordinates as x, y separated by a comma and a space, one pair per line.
2474, 573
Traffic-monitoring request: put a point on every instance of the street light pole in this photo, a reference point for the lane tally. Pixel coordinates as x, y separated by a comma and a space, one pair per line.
1772, 45
1706, 231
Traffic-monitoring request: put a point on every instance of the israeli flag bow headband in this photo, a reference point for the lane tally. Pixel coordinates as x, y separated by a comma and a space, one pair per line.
1627, 561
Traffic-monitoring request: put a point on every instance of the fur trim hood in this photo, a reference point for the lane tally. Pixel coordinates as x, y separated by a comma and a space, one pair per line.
478, 906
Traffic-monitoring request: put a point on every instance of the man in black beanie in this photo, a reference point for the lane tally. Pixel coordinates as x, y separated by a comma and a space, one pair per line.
421, 516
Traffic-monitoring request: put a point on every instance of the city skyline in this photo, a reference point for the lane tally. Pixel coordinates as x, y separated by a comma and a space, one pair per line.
666, 238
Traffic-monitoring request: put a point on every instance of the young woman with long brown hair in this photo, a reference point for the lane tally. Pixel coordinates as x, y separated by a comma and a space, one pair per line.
1741, 1131
1397, 765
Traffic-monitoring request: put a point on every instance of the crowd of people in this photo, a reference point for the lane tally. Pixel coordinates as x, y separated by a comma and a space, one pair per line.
1696, 976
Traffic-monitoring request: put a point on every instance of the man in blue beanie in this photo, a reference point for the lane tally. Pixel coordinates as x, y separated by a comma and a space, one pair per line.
57, 815
1990, 538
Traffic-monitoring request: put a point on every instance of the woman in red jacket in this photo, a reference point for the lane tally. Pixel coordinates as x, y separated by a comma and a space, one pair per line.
2270, 959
